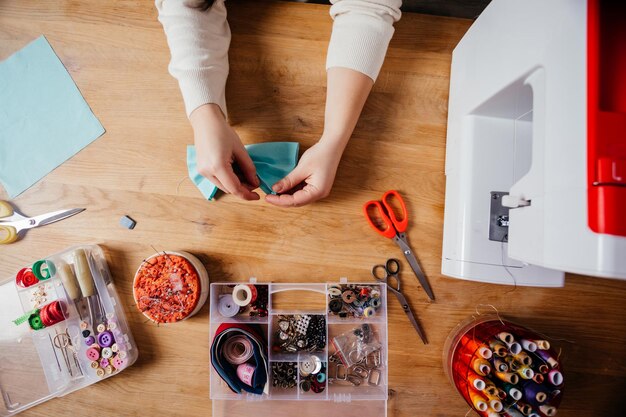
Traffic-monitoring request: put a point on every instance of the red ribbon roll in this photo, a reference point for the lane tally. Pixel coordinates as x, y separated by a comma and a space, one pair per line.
52, 313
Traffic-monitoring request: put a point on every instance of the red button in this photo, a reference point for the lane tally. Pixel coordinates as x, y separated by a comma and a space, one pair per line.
92, 354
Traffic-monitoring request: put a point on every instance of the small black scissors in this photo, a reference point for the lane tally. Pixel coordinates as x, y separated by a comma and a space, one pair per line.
391, 270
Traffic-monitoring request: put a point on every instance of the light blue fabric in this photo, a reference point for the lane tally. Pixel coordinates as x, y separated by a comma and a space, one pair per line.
273, 161
44, 119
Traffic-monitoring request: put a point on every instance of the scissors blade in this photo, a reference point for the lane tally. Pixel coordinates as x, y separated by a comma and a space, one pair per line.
45, 219
409, 313
401, 241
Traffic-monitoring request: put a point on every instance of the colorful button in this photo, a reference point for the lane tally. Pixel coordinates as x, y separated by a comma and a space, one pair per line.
90, 340
122, 355
100, 372
105, 339
108, 370
86, 333
112, 326
94, 365
107, 352
101, 327
84, 325
104, 362
92, 354
115, 347
118, 362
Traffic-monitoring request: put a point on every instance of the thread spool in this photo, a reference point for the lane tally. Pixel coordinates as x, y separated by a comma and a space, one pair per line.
524, 358
226, 306
545, 356
535, 394
542, 344
538, 378
513, 391
528, 345
526, 372
548, 410
500, 366
508, 377
479, 401
515, 348
472, 346
498, 348
496, 405
555, 378
506, 337
244, 294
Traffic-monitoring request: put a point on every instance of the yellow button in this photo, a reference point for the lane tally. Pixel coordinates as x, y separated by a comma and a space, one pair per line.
94, 365
101, 328
108, 370
100, 372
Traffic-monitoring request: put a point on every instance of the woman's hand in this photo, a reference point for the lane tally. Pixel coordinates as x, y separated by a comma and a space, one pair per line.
221, 156
312, 179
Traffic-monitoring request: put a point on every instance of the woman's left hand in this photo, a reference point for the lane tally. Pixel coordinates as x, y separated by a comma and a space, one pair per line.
312, 179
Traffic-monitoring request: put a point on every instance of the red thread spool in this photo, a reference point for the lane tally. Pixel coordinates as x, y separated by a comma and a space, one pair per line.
52, 313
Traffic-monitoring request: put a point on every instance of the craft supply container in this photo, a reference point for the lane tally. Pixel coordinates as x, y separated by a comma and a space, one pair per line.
200, 270
484, 328
338, 397
32, 369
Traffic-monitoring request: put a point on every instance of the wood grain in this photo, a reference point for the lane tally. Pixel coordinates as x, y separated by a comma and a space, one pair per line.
117, 54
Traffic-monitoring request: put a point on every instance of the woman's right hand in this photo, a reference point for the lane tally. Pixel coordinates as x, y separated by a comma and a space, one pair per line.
218, 147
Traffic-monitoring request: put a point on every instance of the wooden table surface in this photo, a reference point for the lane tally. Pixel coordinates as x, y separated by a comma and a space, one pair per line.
117, 54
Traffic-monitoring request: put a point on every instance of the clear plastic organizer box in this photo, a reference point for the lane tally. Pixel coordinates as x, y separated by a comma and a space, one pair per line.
338, 365
62, 328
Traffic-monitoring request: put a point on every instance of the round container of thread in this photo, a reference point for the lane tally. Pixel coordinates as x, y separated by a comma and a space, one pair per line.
503, 369
170, 286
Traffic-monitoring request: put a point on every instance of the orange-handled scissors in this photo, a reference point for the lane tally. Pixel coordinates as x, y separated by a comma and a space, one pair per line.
392, 224
12, 223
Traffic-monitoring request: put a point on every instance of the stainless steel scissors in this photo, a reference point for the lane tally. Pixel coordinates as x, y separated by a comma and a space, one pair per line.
12, 223
391, 270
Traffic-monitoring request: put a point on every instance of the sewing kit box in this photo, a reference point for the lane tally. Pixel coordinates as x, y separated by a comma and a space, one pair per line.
52, 352
360, 389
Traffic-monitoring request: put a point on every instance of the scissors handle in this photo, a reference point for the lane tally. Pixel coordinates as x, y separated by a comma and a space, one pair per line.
8, 234
400, 220
378, 219
5, 209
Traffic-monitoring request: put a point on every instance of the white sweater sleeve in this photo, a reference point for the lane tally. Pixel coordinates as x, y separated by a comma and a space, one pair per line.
361, 33
198, 42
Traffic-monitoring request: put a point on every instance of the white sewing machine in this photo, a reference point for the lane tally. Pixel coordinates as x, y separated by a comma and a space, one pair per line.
536, 146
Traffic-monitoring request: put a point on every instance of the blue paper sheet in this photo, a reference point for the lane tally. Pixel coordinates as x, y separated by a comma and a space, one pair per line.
44, 119
273, 161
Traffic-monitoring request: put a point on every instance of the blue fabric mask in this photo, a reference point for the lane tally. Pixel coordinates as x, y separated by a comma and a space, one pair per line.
273, 161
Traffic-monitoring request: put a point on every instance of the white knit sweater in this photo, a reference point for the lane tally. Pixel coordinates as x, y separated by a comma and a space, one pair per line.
199, 42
